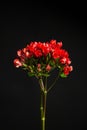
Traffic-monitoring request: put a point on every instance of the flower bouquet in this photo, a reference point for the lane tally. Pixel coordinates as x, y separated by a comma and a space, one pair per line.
39, 59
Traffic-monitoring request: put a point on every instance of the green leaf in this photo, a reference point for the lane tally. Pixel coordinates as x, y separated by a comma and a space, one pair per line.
24, 68
52, 63
63, 75
24, 65
43, 74
31, 74
46, 75
57, 60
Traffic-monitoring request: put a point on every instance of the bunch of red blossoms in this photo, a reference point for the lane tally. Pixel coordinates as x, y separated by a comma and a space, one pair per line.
39, 59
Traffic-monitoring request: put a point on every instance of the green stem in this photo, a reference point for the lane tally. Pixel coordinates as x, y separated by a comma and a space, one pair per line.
41, 84
41, 107
43, 103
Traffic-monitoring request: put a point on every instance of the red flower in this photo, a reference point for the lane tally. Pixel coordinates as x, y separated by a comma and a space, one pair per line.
38, 53
17, 63
45, 48
65, 60
39, 59
19, 53
67, 69
59, 44
56, 53
53, 43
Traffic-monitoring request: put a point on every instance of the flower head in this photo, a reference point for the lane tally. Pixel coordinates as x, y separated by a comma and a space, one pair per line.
42, 57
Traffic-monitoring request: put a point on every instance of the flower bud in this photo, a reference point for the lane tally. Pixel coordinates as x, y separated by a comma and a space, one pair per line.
48, 67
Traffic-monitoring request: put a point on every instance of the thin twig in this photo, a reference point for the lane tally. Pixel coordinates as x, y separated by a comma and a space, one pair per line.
53, 83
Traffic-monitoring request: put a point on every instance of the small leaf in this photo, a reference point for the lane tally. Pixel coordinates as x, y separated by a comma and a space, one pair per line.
63, 75
24, 68
24, 65
31, 74
52, 63
46, 75
43, 74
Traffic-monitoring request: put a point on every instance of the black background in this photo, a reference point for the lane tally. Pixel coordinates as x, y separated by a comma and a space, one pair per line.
19, 94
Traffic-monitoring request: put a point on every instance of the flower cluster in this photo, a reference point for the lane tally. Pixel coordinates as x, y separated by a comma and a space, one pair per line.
40, 58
